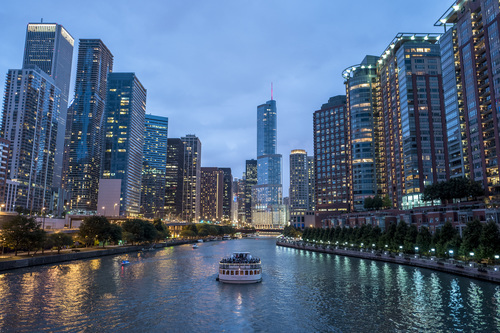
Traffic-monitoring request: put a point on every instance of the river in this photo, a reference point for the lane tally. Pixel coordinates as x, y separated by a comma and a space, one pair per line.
175, 290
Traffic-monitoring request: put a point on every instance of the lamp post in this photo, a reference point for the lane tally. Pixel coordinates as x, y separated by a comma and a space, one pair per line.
1, 207
3, 245
114, 210
104, 210
43, 218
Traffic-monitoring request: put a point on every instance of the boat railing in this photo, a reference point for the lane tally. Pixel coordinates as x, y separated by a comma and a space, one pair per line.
239, 265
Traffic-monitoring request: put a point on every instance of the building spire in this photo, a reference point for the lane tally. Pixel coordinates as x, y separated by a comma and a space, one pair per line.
271, 91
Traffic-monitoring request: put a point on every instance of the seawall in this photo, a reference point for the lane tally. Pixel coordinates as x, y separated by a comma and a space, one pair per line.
486, 274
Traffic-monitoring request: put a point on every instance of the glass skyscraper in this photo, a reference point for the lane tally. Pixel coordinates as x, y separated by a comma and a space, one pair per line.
192, 174
50, 47
174, 178
95, 61
124, 138
154, 166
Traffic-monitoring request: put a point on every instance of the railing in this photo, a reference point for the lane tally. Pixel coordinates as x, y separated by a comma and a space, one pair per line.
240, 265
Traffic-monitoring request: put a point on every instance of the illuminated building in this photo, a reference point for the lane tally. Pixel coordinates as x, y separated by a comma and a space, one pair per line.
50, 47
212, 194
191, 182
124, 138
412, 108
331, 155
362, 114
470, 60
154, 166
95, 61
4, 176
250, 181
30, 122
174, 178
227, 198
300, 187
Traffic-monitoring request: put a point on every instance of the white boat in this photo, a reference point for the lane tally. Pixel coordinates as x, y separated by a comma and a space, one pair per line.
200, 240
226, 237
195, 246
240, 268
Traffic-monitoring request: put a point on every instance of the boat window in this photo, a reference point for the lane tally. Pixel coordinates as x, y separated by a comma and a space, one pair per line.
232, 272
246, 272
227, 272
257, 272
236, 273
251, 272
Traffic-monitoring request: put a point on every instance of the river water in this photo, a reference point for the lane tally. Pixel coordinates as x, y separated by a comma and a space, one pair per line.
174, 290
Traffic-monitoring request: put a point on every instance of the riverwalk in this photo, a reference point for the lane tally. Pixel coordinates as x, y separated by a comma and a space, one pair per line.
471, 270
9, 261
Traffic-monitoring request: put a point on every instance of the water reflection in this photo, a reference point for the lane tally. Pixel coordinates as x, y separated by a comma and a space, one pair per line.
174, 289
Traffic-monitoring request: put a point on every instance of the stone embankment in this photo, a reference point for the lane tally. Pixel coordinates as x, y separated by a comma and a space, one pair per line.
77, 254
491, 274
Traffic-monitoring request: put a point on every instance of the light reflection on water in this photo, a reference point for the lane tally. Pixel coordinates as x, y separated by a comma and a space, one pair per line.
174, 289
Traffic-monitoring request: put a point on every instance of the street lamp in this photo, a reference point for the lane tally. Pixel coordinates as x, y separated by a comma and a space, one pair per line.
451, 253
43, 218
3, 245
114, 210
1, 207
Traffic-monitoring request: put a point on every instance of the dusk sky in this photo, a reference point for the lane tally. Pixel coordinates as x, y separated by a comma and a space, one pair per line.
207, 65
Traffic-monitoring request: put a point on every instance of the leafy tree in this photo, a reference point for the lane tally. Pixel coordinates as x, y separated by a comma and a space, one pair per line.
424, 239
95, 228
386, 202
137, 230
471, 236
115, 233
375, 234
490, 240
60, 240
411, 238
400, 234
368, 204
377, 202
187, 233
36, 240
19, 231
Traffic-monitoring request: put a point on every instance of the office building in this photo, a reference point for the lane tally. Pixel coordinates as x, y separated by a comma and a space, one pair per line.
30, 122
227, 198
250, 180
124, 130
299, 187
154, 166
191, 182
94, 63
174, 179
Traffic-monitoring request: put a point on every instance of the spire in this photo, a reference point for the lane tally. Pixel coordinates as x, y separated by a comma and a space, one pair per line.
271, 91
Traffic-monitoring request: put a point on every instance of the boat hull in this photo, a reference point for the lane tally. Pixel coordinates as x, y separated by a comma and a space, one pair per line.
238, 281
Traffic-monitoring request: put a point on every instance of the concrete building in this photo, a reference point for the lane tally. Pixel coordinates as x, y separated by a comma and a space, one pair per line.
174, 179
250, 181
299, 187
211, 194
191, 182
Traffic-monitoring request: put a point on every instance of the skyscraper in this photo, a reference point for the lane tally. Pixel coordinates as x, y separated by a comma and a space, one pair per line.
95, 61
174, 179
227, 197
362, 86
30, 121
250, 181
267, 194
154, 166
50, 47
124, 138
411, 103
299, 187
331, 154
212, 194
470, 63
191, 183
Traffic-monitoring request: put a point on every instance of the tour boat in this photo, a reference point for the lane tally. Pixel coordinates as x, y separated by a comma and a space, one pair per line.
195, 246
125, 262
240, 268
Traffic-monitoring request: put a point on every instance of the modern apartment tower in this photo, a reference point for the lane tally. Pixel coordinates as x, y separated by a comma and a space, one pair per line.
361, 83
50, 47
299, 187
95, 61
30, 122
212, 194
412, 107
154, 166
174, 179
191, 183
250, 181
311, 183
470, 61
267, 194
124, 138
227, 196
331, 156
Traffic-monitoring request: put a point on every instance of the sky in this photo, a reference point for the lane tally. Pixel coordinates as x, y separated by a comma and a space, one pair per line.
208, 64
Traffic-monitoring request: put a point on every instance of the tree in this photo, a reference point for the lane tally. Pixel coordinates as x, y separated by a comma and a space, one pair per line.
424, 239
471, 236
95, 228
187, 233
19, 232
400, 234
411, 238
368, 204
36, 240
490, 240
386, 202
137, 230
60, 240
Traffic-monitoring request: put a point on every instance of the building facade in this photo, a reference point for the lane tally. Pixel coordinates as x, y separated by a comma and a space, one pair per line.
94, 63
331, 156
299, 187
30, 122
124, 138
154, 166
250, 181
191, 182
211, 194
174, 179
227, 198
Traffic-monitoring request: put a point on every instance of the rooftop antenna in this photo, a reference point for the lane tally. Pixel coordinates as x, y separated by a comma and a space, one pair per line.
41, 21
271, 91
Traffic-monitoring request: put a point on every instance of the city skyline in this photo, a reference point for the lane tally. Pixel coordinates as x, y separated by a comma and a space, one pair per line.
206, 60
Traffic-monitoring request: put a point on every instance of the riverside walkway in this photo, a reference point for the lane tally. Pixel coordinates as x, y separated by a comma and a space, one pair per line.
471, 270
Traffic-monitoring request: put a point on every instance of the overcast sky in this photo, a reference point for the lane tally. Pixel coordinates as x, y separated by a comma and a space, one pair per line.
207, 64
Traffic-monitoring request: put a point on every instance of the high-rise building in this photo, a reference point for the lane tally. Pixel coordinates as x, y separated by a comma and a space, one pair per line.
239, 190
124, 138
331, 156
154, 166
174, 179
191, 183
227, 198
412, 107
212, 194
470, 62
250, 181
30, 122
95, 61
50, 47
299, 187
361, 83
4, 176
311, 183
